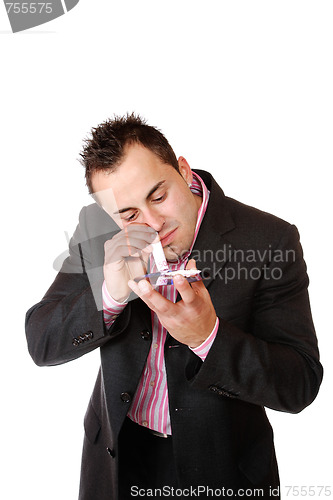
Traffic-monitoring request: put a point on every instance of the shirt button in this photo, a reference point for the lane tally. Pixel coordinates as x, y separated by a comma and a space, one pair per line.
152, 383
145, 423
155, 346
125, 397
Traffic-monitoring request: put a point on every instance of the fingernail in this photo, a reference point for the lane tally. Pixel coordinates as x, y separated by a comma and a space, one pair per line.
144, 286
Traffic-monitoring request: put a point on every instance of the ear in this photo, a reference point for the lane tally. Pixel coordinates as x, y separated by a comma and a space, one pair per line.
185, 170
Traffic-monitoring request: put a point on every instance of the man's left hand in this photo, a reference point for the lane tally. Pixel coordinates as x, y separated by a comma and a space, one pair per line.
192, 319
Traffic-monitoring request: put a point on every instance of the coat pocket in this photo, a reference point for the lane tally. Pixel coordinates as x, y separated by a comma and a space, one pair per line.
92, 424
258, 461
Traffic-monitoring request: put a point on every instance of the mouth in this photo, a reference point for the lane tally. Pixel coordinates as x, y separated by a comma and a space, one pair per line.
167, 239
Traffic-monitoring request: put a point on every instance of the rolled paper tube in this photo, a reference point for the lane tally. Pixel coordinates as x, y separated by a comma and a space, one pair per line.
159, 257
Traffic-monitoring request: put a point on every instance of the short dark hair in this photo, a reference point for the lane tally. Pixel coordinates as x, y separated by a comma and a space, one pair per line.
105, 149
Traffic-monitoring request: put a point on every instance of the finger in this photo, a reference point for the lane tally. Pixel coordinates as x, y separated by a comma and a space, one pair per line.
142, 288
133, 238
121, 253
184, 288
129, 233
124, 247
151, 297
127, 241
191, 264
140, 243
141, 230
138, 238
140, 291
196, 285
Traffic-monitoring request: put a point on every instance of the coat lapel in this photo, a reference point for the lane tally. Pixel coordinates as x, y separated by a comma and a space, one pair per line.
213, 248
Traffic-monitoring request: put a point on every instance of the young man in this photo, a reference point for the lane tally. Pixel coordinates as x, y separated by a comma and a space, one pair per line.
186, 369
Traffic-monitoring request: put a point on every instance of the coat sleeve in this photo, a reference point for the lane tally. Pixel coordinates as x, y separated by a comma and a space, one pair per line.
67, 322
273, 360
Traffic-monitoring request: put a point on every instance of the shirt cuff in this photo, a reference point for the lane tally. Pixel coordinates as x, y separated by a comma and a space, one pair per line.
111, 308
203, 349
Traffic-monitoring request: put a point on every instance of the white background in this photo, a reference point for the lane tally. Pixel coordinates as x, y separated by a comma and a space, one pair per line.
240, 88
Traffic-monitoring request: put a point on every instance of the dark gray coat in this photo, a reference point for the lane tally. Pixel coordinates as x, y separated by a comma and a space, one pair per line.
265, 352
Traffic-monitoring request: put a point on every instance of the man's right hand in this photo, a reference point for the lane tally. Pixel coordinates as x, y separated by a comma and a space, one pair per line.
125, 257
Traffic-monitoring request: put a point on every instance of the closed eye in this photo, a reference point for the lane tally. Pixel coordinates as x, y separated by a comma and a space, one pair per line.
134, 215
160, 198
131, 217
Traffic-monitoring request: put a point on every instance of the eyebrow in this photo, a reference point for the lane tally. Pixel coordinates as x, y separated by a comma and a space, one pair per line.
151, 192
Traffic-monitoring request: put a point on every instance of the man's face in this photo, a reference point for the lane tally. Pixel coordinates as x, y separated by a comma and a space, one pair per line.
144, 190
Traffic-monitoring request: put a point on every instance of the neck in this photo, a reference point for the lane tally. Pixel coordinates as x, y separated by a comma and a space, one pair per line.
198, 201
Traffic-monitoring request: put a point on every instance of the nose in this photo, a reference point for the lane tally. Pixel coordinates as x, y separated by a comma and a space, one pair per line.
153, 219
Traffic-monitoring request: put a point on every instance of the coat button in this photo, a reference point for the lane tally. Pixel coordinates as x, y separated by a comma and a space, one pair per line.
222, 392
125, 397
111, 452
145, 334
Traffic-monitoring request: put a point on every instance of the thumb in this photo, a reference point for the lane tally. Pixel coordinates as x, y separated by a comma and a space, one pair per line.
196, 285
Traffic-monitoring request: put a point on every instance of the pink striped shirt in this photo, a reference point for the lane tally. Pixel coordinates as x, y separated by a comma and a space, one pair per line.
150, 406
